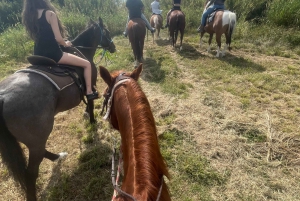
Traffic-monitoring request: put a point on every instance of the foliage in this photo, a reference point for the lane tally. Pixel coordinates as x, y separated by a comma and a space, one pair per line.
15, 44
284, 13
10, 13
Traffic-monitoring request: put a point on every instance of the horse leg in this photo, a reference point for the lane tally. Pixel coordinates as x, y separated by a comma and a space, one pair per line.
181, 38
36, 156
209, 42
218, 39
201, 36
89, 111
54, 157
176, 35
227, 45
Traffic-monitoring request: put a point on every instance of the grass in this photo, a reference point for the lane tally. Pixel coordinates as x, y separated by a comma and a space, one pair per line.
228, 127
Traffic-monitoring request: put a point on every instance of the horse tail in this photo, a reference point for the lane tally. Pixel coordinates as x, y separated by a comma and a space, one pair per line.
232, 24
156, 23
11, 152
177, 27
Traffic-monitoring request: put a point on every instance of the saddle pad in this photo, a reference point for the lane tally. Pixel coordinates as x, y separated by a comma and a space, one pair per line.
60, 82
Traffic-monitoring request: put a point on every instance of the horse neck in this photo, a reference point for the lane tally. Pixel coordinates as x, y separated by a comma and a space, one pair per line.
88, 40
142, 161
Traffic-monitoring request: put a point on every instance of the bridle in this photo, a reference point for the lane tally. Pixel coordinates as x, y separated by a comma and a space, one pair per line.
107, 103
101, 39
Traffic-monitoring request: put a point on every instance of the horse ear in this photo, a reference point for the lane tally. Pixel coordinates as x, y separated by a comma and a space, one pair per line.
137, 72
92, 22
105, 75
100, 22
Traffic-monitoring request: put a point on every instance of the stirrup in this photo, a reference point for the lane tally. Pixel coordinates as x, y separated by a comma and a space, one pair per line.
92, 96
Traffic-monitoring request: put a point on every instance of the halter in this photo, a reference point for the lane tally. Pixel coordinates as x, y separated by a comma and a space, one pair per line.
101, 38
110, 92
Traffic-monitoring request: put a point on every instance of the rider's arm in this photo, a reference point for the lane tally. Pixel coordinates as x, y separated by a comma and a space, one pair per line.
52, 20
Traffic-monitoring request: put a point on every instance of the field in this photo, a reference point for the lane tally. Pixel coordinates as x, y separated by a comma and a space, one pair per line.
227, 127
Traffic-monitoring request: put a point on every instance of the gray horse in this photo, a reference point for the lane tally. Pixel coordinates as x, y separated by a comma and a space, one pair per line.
28, 104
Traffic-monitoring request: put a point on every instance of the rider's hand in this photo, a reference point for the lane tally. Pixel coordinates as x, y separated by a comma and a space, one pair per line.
68, 44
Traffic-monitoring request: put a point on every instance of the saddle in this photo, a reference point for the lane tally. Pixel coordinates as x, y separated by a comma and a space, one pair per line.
61, 76
211, 16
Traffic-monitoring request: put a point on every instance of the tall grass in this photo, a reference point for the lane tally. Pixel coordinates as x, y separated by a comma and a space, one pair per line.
284, 13
15, 44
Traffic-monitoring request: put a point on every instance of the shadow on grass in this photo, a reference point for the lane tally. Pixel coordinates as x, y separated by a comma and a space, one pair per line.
188, 51
152, 71
242, 63
91, 179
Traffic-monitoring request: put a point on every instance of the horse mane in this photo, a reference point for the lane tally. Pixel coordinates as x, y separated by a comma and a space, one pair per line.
85, 33
149, 162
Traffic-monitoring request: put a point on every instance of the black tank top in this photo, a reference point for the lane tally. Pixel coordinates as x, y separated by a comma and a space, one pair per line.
45, 44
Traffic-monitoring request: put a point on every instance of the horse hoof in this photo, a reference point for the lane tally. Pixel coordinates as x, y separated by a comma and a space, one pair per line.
86, 115
62, 156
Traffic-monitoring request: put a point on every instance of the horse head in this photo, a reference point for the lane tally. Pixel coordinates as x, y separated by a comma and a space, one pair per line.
106, 41
112, 80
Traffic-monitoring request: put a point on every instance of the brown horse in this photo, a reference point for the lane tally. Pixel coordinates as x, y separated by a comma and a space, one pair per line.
136, 34
156, 21
224, 22
130, 113
176, 23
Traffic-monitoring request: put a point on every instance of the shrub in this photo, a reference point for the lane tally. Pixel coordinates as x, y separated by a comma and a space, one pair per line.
15, 43
284, 13
10, 13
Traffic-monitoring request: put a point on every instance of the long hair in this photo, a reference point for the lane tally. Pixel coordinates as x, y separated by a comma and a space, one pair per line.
30, 17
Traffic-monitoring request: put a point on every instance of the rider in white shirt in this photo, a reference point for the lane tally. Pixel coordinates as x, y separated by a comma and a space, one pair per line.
155, 7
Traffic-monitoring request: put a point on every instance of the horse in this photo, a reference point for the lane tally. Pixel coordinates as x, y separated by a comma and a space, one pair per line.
224, 22
129, 112
176, 23
136, 34
156, 21
28, 104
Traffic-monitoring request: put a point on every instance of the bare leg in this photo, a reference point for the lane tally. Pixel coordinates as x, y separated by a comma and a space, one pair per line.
73, 60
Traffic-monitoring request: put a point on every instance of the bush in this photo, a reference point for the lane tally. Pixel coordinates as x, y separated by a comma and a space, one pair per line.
10, 13
284, 13
15, 43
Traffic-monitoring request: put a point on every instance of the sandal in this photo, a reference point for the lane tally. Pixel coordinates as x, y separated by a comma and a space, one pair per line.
92, 96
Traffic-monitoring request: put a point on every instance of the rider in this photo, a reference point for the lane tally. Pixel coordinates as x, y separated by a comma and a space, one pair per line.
135, 8
211, 6
176, 6
156, 8
47, 31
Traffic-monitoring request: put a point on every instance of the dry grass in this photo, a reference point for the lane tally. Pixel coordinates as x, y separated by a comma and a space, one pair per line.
248, 134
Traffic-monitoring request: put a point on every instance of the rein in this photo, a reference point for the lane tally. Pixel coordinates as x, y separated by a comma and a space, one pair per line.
99, 46
115, 181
